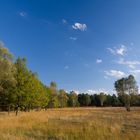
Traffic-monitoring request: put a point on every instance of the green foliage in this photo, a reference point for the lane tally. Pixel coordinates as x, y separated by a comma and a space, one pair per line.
94, 100
7, 80
63, 98
126, 88
53, 86
53, 96
7, 69
19, 87
102, 98
73, 99
84, 99
29, 90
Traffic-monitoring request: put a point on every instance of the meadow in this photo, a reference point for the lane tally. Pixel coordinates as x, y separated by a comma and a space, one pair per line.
72, 124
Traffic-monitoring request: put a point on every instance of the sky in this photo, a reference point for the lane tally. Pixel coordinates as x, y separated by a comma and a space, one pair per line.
83, 45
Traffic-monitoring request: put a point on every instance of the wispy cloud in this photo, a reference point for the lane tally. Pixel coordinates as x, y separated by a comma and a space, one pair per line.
45, 21
22, 14
66, 67
115, 73
106, 77
135, 72
98, 61
73, 38
64, 21
119, 50
130, 64
1, 43
131, 43
79, 26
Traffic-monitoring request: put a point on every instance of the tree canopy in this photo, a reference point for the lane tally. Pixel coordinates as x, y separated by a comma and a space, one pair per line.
126, 89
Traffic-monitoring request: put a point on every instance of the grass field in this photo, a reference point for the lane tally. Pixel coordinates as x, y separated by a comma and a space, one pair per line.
72, 124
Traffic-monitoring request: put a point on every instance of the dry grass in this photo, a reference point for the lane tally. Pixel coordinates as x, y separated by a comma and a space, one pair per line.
72, 124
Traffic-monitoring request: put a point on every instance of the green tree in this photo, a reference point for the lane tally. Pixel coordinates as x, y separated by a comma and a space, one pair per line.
73, 99
84, 99
63, 98
36, 93
95, 100
7, 68
53, 95
7, 80
42, 96
126, 88
102, 98
53, 86
22, 79
30, 92
115, 101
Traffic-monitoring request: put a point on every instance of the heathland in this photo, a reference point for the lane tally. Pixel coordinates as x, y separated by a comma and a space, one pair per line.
72, 124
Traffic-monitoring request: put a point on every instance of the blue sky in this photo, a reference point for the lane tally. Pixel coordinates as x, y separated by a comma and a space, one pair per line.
83, 45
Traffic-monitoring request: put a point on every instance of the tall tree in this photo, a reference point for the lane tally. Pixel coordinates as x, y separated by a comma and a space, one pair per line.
84, 99
53, 95
126, 88
63, 98
7, 68
22, 78
102, 98
36, 93
53, 86
73, 99
7, 80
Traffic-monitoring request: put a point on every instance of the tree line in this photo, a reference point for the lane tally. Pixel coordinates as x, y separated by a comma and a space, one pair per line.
21, 89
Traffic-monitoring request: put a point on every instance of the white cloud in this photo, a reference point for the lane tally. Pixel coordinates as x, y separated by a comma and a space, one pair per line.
76, 91
79, 26
23, 14
135, 72
64, 21
99, 61
98, 91
120, 50
130, 64
73, 38
115, 73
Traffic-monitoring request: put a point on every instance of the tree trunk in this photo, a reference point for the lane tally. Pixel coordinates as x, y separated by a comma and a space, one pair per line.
25, 109
29, 108
9, 110
16, 112
102, 104
128, 108
17, 109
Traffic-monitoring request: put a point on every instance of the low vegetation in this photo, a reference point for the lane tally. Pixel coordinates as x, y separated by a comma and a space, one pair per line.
72, 124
